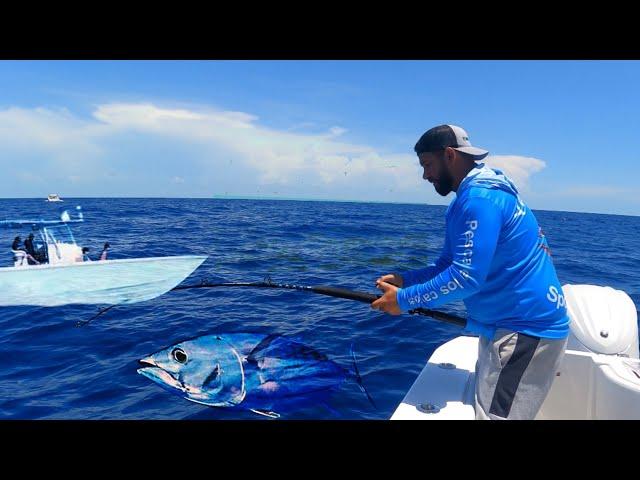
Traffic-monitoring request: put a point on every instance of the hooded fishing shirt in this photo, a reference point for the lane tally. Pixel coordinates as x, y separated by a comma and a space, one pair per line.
496, 259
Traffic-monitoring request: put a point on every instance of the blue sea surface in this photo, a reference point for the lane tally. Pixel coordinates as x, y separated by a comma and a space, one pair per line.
52, 369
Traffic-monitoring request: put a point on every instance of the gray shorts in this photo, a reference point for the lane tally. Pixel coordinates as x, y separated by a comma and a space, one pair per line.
514, 373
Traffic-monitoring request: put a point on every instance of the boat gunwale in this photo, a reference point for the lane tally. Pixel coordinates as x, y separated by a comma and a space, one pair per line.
48, 266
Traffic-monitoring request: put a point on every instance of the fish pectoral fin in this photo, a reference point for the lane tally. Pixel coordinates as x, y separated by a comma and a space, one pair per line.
266, 413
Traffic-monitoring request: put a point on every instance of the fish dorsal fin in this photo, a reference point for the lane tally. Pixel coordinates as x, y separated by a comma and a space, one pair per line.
277, 346
258, 351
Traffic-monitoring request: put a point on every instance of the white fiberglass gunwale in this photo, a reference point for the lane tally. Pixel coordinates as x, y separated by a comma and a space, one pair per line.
100, 262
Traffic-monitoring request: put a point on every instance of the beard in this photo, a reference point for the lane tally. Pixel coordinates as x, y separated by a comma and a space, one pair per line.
444, 185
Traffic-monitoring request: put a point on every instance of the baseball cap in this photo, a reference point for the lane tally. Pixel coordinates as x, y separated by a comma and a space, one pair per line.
442, 136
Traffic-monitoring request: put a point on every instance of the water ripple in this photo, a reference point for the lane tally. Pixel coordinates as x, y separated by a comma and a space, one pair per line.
51, 369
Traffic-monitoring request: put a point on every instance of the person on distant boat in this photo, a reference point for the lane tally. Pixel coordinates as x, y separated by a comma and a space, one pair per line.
85, 254
105, 249
497, 260
20, 254
28, 247
28, 244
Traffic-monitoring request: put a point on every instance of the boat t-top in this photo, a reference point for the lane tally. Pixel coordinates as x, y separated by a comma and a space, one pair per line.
62, 277
54, 197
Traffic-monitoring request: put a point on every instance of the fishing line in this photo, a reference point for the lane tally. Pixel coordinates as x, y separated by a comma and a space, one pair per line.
320, 289
82, 323
330, 291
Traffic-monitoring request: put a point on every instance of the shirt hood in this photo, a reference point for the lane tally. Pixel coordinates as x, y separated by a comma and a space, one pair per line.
484, 177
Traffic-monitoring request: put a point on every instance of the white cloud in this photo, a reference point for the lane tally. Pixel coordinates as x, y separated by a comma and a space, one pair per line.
518, 169
148, 116
278, 156
54, 131
225, 142
336, 131
41, 147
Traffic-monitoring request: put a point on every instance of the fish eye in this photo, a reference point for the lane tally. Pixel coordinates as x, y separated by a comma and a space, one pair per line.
179, 355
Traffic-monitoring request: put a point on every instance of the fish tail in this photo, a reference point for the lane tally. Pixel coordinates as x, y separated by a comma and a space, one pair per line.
359, 378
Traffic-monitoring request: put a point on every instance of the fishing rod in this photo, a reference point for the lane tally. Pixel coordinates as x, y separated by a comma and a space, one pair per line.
332, 292
320, 289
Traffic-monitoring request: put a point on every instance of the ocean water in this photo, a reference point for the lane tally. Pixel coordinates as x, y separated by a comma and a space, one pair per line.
52, 369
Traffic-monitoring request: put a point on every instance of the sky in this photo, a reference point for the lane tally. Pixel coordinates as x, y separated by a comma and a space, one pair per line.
564, 131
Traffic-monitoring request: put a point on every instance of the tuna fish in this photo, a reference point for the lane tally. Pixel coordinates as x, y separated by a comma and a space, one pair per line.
248, 371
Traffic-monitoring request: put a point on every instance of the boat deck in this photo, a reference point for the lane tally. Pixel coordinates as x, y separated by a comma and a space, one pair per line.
444, 389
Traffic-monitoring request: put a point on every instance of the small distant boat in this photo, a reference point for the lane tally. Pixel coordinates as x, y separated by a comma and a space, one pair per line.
63, 278
54, 197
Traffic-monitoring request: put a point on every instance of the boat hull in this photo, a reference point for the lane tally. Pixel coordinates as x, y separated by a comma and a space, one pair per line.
587, 386
107, 282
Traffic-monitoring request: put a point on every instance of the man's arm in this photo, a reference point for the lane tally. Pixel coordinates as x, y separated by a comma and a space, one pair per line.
413, 277
474, 237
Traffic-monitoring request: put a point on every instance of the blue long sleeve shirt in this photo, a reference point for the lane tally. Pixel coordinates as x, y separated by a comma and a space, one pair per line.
496, 259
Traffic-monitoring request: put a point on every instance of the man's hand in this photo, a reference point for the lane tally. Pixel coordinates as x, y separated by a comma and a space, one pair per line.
392, 278
388, 303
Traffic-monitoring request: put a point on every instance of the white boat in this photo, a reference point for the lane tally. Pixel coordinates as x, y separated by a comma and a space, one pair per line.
62, 277
599, 377
54, 197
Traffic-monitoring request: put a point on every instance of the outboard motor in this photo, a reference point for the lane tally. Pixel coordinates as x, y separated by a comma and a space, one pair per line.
600, 374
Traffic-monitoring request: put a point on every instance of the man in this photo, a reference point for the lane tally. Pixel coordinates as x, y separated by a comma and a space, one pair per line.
496, 259
105, 249
28, 247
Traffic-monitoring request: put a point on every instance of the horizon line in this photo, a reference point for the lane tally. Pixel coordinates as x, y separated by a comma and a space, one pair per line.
297, 199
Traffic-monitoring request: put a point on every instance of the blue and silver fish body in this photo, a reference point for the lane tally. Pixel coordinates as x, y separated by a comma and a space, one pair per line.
282, 371
251, 371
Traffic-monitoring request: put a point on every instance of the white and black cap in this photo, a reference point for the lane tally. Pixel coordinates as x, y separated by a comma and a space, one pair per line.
443, 136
